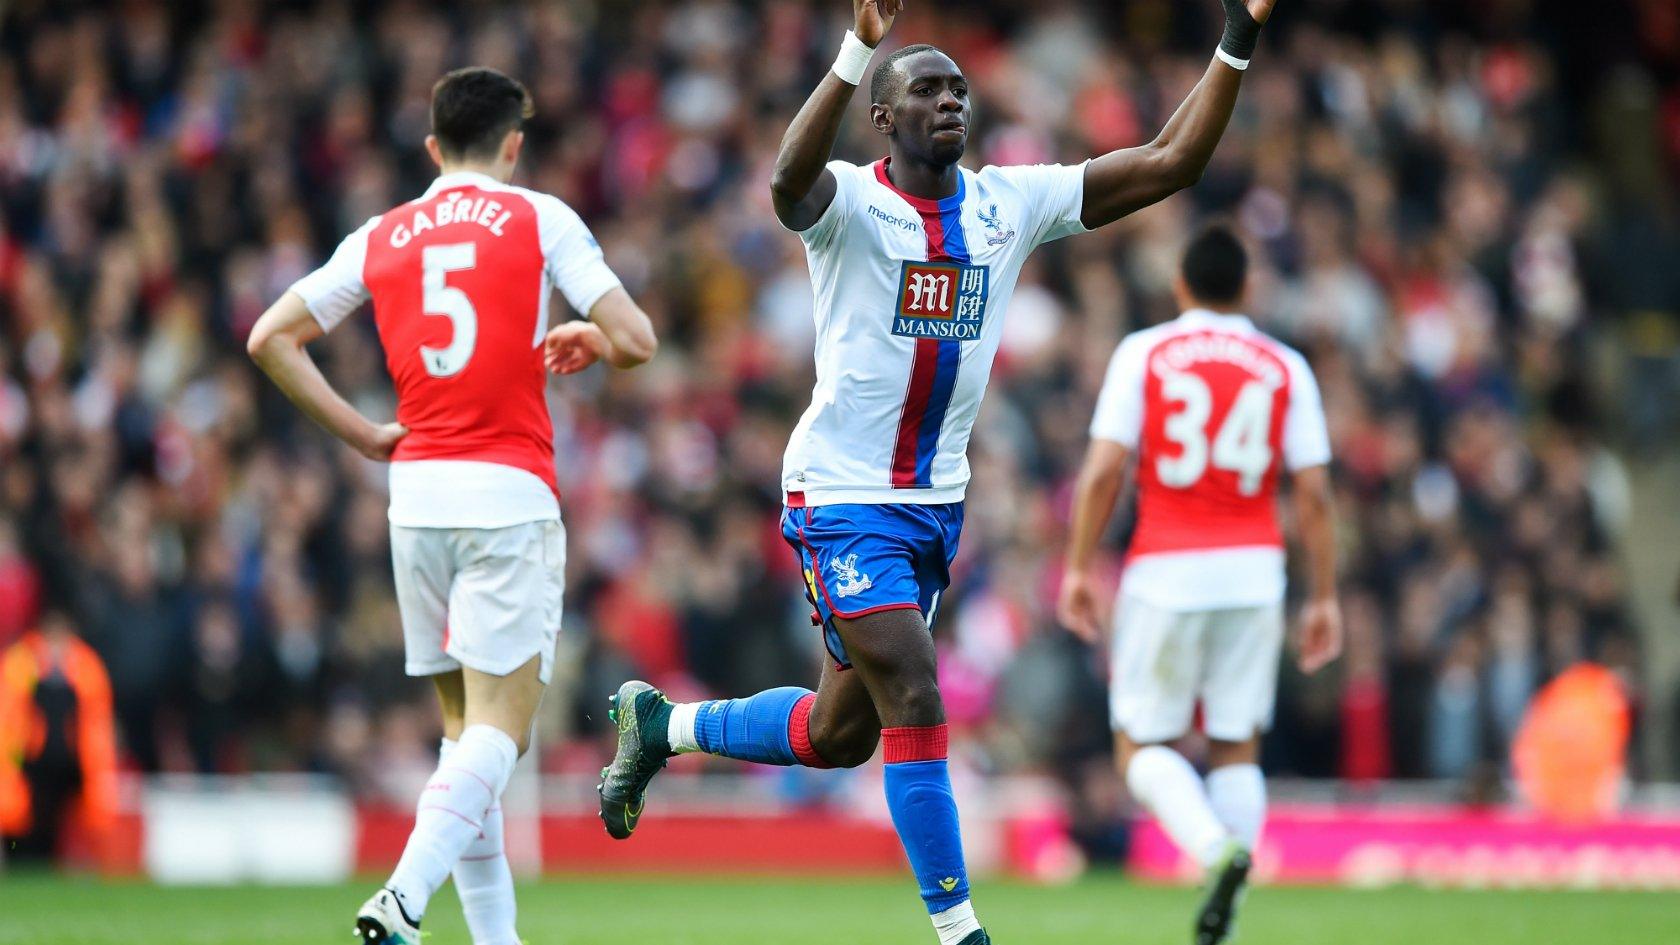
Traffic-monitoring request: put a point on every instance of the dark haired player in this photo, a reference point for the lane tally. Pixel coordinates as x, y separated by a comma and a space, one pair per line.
1213, 409
913, 259
460, 281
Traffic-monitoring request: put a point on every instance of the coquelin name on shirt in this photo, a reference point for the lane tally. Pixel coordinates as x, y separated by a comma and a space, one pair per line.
480, 210
1179, 354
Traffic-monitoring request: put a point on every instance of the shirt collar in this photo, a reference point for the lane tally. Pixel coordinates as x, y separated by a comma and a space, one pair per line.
460, 179
1203, 316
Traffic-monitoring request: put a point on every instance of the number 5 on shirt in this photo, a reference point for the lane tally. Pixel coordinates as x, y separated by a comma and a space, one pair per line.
440, 298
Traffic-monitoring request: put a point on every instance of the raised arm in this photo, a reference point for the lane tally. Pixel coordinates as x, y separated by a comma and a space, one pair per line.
802, 187
1121, 182
276, 344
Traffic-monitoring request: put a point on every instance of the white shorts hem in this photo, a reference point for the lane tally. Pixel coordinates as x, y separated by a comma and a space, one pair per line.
506, 665
431, 667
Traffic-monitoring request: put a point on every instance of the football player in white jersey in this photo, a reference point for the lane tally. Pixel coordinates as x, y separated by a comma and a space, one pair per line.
913, 259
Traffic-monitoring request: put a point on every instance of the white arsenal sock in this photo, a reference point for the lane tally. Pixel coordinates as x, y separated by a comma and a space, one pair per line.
1165, 783
451, 813
483, 880
1238, 794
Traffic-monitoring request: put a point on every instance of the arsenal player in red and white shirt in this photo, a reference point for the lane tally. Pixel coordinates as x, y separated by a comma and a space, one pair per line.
1215, 411
460, 281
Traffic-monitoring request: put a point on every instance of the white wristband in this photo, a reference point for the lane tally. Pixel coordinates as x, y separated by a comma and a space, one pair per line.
853, 60
1241, 65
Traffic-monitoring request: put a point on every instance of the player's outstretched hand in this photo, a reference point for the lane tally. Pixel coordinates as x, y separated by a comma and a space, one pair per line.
573, 346
1076, 607
382, 442
1320, 638
875, 17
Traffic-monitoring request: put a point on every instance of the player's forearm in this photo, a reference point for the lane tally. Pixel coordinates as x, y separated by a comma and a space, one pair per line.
1123, 182
1193, 132
282, 357
809, 143
623, 333
1316, 514
630, 351
1095, 493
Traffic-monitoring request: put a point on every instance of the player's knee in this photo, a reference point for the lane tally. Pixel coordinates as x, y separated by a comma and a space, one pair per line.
845, 743
915, 702
852, 750
849, 754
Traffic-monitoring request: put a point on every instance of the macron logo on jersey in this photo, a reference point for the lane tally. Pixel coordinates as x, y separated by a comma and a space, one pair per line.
910, 226
483, 211
941, 300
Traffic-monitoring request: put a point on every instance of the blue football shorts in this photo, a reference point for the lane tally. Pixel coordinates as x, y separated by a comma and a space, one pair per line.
863, 559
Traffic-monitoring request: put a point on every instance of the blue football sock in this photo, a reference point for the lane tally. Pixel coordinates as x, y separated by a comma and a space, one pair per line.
750, 729
924, 811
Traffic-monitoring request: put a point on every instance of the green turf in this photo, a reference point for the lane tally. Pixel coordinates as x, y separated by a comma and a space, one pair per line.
667, 911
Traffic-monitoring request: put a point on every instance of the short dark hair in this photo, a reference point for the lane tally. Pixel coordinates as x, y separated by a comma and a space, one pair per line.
1215, 266
886, 78
473, 109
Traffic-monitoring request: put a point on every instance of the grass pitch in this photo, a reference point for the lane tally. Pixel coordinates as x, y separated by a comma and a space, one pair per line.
638, 910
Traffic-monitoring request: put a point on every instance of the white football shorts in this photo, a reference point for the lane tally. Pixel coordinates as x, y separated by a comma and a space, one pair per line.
484, 598
1165, 661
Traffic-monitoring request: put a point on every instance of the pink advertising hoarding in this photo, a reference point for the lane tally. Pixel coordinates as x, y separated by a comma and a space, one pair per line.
1442, 846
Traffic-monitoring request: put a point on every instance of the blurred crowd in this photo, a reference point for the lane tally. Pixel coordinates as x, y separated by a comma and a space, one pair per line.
1465, 214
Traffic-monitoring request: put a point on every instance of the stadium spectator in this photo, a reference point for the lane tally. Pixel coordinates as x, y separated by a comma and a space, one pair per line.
58, 758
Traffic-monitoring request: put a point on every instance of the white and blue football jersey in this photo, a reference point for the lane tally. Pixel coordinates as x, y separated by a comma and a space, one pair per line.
910, 298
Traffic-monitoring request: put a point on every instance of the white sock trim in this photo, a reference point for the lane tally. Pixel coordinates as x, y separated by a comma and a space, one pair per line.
853, 60
956, 923
680, 731
1241, 65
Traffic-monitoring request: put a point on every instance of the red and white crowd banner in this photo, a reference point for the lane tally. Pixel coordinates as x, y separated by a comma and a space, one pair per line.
1442, 846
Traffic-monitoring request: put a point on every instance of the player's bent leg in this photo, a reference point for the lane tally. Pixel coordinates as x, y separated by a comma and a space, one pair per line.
1167, 785
842, 728
894, 656
458, 799
833, 727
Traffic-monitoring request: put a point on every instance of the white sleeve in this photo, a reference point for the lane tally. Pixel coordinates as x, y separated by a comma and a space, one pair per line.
336, 289
1055, 195
1306, 438
1119, 413
833, 220
571, 256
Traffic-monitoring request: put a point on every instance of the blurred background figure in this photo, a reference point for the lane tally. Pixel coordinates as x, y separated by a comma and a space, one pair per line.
58, 752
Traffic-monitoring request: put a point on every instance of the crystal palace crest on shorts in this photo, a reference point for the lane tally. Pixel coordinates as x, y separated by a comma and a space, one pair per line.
848, 580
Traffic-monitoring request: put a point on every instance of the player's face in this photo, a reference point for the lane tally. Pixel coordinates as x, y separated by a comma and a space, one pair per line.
930, 119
